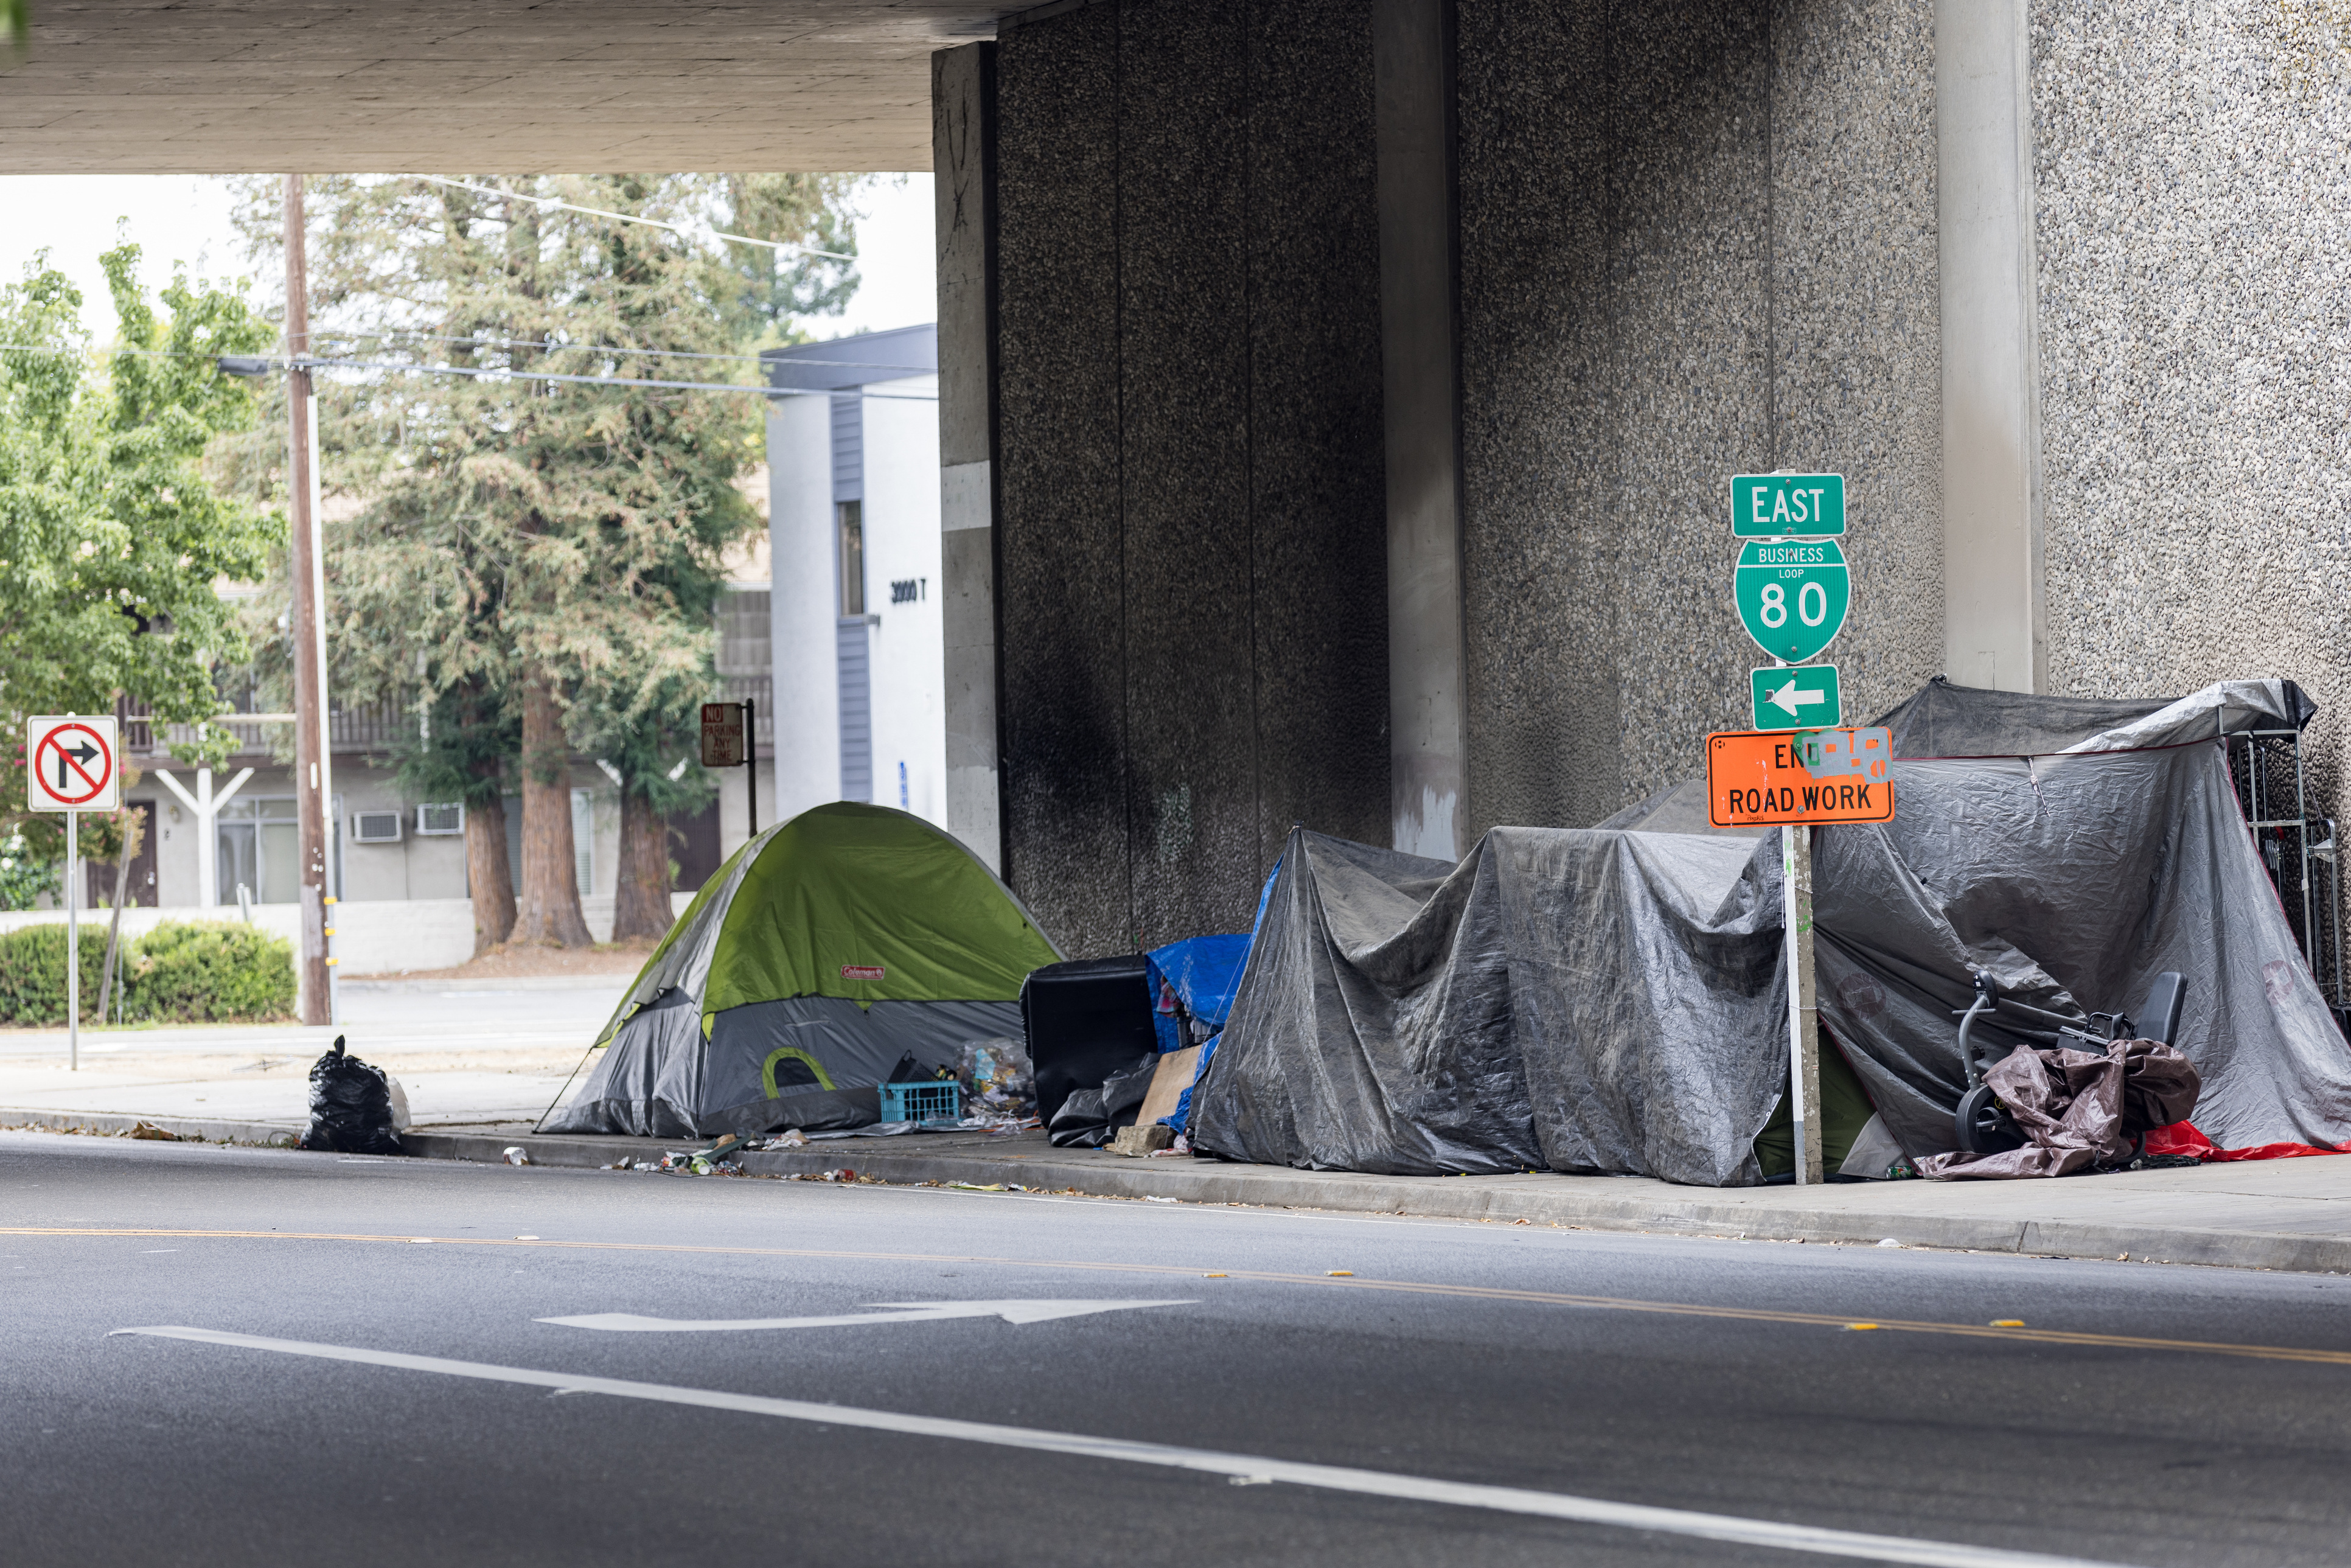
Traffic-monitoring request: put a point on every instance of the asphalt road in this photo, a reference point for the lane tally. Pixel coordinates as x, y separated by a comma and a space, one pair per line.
1474, 1393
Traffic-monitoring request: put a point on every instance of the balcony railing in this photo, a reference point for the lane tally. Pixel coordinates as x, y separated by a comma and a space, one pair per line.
375, 730
379, 729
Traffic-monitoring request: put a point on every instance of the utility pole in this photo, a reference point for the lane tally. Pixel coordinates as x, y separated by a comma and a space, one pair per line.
307, 628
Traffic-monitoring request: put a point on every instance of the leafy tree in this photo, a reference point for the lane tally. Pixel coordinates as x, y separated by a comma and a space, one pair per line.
550, 549
111, 535
650, 738
460, 753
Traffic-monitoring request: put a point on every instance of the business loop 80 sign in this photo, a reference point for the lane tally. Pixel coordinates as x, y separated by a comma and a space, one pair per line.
1793, 595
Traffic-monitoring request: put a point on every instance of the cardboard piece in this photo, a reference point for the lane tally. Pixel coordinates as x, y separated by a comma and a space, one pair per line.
1167, 1085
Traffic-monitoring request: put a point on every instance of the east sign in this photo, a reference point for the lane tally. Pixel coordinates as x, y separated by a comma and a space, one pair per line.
1791, 595
1786, 506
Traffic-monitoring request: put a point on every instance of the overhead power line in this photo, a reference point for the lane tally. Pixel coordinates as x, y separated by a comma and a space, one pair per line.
262, 364
630, 217
494, 373
553, 346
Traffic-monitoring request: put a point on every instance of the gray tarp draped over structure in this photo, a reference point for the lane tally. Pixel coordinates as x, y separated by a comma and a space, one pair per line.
1614, 999
2075, 878
1577, 998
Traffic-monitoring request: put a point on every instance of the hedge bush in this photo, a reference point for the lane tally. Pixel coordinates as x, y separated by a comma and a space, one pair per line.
181, 972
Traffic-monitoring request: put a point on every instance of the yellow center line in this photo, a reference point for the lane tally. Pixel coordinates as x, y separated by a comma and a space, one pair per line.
1192, 1271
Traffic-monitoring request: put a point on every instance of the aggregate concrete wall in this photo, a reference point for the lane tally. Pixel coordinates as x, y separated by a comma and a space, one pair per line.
1696, 239
2193, 187
1191, 533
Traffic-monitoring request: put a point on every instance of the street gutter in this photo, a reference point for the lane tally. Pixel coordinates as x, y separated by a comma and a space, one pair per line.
1850, 1215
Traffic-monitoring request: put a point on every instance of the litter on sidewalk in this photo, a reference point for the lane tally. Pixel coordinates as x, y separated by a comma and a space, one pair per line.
350, 1106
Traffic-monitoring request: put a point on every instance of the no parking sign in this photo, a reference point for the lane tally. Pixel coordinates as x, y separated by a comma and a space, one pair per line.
72, 764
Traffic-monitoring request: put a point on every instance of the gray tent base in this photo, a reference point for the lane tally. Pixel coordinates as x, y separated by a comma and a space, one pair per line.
811, 1063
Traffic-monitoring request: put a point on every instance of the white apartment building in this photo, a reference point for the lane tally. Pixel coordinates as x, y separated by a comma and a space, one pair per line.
853, 543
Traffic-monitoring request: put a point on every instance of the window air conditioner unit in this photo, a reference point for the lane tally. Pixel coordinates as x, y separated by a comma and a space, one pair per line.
375, 827
442, 820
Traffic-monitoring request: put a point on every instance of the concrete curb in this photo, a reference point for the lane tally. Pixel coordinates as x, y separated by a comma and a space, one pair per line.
268, 1134
1540, 1198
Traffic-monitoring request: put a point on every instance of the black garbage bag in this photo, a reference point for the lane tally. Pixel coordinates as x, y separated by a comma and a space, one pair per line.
1090, 1118
350, 1106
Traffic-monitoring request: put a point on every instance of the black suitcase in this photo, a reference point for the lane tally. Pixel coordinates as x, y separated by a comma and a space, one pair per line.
1084, 1021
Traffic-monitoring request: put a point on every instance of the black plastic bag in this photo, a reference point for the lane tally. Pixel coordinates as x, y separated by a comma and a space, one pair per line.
1090, 1118
350, 1107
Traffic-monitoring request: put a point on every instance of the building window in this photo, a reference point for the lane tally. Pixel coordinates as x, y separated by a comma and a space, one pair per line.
853, 557
257, 843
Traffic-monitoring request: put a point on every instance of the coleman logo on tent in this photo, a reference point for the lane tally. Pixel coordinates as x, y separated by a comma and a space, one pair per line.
863, 971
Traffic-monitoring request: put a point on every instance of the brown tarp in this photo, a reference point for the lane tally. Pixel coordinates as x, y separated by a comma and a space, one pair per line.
2077, 1109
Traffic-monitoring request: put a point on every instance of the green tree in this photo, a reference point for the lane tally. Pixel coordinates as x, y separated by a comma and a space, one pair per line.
549, 548
111, 534
463, 740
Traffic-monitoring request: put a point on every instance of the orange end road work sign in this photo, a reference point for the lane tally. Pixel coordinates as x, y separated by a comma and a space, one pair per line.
1760, 778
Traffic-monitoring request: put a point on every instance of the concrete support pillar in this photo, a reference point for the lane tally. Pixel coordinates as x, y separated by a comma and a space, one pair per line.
1994, 627
1411, 45
963, 160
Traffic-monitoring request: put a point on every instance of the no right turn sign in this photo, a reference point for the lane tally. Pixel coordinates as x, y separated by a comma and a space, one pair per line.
72, 764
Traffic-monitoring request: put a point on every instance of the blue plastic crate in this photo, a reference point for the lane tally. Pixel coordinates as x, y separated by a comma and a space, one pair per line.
921, 1101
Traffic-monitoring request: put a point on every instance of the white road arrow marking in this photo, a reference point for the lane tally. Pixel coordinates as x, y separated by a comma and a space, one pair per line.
1791, 699
1769, 1533
1020, 1311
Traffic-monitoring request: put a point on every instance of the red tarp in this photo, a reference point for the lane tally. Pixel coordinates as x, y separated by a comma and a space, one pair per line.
2182, 1138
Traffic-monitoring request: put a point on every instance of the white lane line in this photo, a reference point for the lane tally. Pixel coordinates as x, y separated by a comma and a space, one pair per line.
1329, 1478
1018, 1311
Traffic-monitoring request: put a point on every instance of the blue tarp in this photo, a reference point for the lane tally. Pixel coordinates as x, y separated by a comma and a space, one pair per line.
1198, 975
1205, 972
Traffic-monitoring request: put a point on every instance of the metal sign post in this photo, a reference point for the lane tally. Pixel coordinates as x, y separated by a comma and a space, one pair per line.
71, 765
1804, 1014
1792, 588
73, 949
751, 763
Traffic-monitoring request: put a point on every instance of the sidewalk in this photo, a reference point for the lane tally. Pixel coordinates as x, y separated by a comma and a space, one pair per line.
2290, 1215
465, 1050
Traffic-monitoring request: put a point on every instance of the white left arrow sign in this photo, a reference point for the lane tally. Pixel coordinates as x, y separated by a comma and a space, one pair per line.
1021, 1311
1791, 698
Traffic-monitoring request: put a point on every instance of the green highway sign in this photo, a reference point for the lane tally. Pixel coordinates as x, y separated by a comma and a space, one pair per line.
1786, 506
1796, 698
1791, 596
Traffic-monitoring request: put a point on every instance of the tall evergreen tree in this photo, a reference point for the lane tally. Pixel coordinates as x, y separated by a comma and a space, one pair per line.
547, 548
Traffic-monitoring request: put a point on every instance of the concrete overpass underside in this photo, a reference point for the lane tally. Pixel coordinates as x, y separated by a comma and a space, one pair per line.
139, 86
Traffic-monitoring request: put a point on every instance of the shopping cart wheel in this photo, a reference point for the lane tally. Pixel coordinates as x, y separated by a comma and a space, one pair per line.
1984, 1125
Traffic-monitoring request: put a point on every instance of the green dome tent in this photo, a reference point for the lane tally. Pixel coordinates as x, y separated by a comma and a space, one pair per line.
826, 949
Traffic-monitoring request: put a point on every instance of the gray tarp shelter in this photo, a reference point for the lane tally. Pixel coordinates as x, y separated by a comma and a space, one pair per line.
1612, 998
1570, 998
2076, 848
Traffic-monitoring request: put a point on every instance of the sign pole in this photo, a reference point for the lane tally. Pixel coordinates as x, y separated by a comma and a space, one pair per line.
1804, 1014
73, 948
751, 764
72, 765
